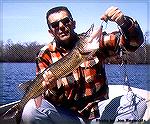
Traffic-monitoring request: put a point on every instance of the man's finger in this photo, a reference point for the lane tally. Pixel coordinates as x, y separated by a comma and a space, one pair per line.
109, 13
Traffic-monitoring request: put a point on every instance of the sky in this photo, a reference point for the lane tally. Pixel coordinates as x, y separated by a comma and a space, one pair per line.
25, 21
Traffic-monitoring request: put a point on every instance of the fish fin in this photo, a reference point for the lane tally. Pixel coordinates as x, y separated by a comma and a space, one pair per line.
87, 33
12, 112
25, 86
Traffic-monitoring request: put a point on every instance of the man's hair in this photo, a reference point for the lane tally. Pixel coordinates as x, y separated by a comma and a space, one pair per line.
57, 9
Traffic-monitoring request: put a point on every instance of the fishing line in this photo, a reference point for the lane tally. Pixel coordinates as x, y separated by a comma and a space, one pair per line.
123, 55
130, 96
126, 79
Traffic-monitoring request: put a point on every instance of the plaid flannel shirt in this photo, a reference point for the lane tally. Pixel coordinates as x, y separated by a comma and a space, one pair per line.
81, 90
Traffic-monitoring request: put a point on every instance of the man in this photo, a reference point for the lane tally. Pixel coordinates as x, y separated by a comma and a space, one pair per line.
77, 97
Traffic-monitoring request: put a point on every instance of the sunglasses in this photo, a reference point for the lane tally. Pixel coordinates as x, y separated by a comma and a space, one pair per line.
65, 21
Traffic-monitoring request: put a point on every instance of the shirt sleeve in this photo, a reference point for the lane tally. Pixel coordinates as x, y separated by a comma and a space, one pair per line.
132, 33
130, 36
43, 60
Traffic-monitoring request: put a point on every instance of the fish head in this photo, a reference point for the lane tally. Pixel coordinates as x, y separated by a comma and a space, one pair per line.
90, 43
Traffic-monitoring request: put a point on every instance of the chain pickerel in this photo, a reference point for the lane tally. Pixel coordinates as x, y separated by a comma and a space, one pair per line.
59, 69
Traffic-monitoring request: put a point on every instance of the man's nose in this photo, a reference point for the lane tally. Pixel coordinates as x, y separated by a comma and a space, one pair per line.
61, 25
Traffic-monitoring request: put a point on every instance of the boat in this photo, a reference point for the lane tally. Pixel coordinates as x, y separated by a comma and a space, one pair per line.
114, 91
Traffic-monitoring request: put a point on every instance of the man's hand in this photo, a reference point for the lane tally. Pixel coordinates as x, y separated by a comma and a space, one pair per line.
48, 76
113, 14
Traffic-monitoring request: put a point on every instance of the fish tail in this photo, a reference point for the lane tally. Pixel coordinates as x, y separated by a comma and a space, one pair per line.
12, 112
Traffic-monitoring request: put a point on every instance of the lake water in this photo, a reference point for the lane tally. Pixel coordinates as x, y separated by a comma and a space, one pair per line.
12, 74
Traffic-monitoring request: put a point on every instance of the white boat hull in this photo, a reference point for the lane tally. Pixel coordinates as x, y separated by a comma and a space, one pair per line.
114, 91
117, 90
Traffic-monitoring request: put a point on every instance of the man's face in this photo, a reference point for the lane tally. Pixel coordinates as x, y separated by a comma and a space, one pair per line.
61, 25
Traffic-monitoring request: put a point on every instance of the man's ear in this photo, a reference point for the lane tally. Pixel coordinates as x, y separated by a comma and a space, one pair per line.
51, 32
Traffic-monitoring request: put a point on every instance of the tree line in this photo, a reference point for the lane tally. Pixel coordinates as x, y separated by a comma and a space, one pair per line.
26, 52
140, 56
17, 52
